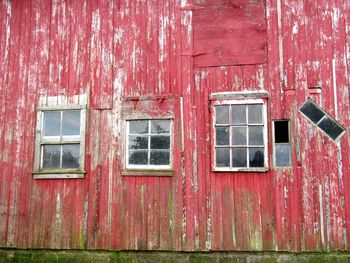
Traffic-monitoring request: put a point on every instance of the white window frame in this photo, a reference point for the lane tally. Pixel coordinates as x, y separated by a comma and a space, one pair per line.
135, 167
238, 101
59, 103
281, 143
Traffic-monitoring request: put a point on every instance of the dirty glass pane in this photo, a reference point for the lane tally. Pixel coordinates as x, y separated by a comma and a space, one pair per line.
239, 135
160, 157
51, 156
52, 123
256, 157
71, 123
138, 127
70, 156
281, 131
160, 142
282, 154
256, 135
239, 114
222, 135
222, 114
138, 157
330, 127
222, 157
312, 111
160, 126
239, 157
255, 113
138, 142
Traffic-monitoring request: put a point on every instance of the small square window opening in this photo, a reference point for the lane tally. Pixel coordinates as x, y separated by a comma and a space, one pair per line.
149, 144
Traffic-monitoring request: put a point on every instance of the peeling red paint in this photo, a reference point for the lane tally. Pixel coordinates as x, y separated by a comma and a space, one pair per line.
139, 58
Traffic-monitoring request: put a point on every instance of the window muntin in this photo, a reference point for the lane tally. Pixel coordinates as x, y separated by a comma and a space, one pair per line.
322, 120
240, 135
281, 135
149, 144
60, 143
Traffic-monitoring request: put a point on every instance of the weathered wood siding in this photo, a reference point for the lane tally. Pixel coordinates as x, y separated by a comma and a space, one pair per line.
111, 49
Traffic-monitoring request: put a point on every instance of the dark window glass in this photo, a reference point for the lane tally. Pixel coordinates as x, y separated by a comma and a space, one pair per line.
239, 157
255, 114
312, 111
223, 157
160, 126
138, 157
222, 114
281, 132
282, 153
52, 123
222, 135
239, 115
239, 135
330, 127
138, 142
138, 127
71, 123
256, 135
160, 142
160, 158
51, 156
70, 157
256, 157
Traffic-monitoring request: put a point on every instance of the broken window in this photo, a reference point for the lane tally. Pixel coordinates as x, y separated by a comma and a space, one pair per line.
281, 143
240, 135
60, 142
149, 144
322, 120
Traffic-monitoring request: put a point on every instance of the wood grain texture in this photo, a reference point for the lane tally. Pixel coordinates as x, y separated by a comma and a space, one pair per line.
141, 59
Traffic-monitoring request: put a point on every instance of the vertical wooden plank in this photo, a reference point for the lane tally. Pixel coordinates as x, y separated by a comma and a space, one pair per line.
101, 56
5, 28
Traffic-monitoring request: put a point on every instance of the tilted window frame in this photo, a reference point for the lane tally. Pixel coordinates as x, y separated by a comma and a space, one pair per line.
149, 168
325, 115
59, 103
236, 98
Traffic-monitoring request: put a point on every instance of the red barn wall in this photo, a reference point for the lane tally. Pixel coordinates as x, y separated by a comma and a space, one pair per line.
112, 49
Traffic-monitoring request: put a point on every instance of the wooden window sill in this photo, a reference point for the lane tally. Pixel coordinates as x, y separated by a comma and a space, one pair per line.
59, 175
145, 172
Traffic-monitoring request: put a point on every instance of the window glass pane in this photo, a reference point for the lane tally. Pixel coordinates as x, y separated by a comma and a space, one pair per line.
52, 123
222, 114
282, 156
312, 111
138, 127
330, 127
281, 131
160, 142
138, 157
239, 135
71, 123
239, 114
255, 113
51, 156
160, 158
160, 126
256, 157
222, 135
138, 142
70, 157
256, 135
222, 157
239, 157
